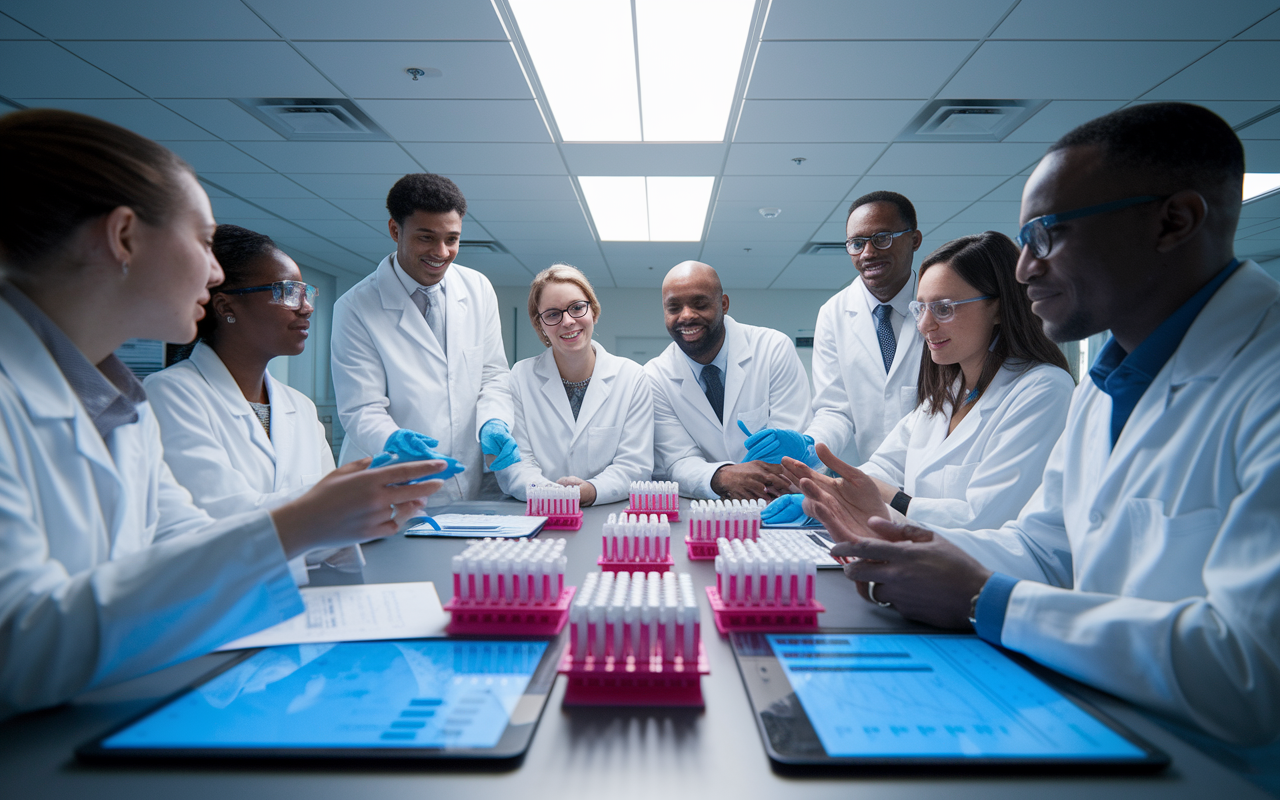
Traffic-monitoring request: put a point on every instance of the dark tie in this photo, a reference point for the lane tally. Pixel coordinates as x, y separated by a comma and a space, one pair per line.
715, 389
884, 332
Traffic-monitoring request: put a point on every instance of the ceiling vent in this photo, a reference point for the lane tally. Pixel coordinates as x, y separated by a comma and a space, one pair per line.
315, 120
480, 246
969, 120
818, 248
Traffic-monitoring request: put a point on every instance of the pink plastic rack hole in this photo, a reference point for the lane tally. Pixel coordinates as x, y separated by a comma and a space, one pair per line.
606, 682
700, 549
510, 619
560, 522
662, 565
672, 515
762, 618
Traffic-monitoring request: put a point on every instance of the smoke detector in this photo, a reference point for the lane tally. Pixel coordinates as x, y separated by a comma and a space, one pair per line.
315, 120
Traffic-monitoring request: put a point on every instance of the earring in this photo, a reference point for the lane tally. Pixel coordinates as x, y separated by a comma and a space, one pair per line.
124, 268
230, 318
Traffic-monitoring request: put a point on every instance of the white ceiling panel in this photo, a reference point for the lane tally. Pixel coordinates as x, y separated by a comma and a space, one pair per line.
140, 19
1133, 19
1262, 155
274, 227
541, 252
1268, 208
841, 70
936, 237
926, 188
634, 276
1004, 213
1010, 190
525, 210
514, 187
633, 258
826, 271
1235, 71
1269, 28
393, 19
920, 19
1060, 116
957, 158
498, 267
12, 29
146, 117
1071, 70
235, 208
1236, 111
257, 184
377, 69
764, 231
459, 120
824, 159
43, 69
212, 191
496, 158
576, 231
777, 191
223, 119
216, 157
745, 271
332, 157
833, 231
208, 69
658, 158
363, 186
347, 228
824, 120
724, 252
931, 213
729, 210
303, 208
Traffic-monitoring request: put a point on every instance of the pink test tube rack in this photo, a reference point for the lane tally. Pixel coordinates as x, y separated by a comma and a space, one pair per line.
655, 497
634, 542
510, 587
635, 639
559, 504
763, 588
710, 520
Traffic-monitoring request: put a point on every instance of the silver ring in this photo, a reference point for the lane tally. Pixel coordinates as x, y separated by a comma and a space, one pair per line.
871, 595
393, 514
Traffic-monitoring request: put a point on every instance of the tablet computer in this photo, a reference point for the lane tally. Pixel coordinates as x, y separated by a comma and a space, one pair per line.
898, 700
455, 699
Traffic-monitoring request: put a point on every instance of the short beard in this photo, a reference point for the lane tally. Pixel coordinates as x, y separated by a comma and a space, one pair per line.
1075, 327
695, 350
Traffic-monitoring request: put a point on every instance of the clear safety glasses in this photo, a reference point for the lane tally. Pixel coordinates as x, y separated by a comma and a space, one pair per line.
882, 241
1035, 234
552, 316
289, 294
942, 310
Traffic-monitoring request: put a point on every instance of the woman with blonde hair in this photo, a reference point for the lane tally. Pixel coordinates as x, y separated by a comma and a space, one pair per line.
583, 416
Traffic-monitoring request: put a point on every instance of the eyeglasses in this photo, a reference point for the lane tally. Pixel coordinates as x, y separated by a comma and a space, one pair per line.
289, 294
942, 310
882, 241
552, 316
1035, 234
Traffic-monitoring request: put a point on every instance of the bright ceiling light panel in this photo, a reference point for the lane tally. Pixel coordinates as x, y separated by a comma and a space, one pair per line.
1257, 184
648, 209
669, 77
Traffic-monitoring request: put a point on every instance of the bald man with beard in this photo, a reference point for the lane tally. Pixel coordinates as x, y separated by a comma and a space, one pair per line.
716, 373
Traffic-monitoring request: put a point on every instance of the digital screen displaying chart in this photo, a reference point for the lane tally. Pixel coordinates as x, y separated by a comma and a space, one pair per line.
426, 693
891, 695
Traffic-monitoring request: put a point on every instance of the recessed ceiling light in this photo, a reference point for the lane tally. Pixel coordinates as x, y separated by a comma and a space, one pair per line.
648, 209
1260, 184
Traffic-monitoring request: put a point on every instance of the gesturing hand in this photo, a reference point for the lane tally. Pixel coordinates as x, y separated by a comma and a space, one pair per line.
842, 504
753, 480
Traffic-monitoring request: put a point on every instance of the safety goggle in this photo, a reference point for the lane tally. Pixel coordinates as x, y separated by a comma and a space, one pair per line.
942, 310
289, 294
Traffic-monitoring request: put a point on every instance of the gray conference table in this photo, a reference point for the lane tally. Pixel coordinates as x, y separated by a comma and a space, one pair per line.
595, 753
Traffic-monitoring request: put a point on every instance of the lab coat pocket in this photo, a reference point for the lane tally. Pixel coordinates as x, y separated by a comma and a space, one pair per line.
955, 480
907, 400
755, 419
1167, 553
602, 446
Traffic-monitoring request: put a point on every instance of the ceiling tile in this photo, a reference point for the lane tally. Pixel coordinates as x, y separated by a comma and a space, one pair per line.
235, 208
778, 253
922, 19
1003, 213
824, 271
940, 235
304, 208
629, 260
649, 158
1070, 70
525, 210
459, 120
928, 188
213, 191
332, 157
1268, 208
931, 213
43, 69
216, 157
515, 187
729, 210
223, 119
824, 159
501, 269
343, 227
1107, 19
839, 70
12, 29
257, 184
394, 19
776, 191
823, 120
488, 158
746, 271
770, 230
833, 231
366, 186
1060, 116
1235, 71
576, 231
1237, 111
141, 19
1268, 28
364, 209
1010, 190
377, 69
1262, 155
543, 252
957, 158
145, 117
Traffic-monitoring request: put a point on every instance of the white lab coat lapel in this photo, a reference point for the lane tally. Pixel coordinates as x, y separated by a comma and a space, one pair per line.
460, 308
689, 388
907, 339
395, 298
228, 393
286, 438
553, 387
739, 358
971, 425
598, 391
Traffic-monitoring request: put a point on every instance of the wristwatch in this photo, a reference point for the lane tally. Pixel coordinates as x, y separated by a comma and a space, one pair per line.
973, 610
900, 502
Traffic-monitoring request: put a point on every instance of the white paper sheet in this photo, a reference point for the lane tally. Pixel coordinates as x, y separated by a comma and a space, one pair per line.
479, 526
357, 613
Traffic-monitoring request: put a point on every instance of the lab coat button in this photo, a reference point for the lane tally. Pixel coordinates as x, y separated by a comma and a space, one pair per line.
1095, 518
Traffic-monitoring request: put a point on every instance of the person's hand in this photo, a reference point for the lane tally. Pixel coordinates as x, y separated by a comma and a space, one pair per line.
354, 504
924, 577
496, 441
844, 504
770, 445
784, 510
586, 489
753, 480
409, 445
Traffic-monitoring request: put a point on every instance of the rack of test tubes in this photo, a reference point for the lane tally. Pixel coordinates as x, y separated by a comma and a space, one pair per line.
559, 504
635, 639
655, 497
510, 586
763, 587
636, 542
710, 520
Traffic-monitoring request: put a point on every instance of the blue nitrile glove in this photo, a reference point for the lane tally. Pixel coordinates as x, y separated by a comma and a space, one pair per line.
407, 445
496, 441
786, 510
771, 444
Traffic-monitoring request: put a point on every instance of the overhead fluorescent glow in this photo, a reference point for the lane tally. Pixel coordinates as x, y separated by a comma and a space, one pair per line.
680, 87
648, 209
1256, 184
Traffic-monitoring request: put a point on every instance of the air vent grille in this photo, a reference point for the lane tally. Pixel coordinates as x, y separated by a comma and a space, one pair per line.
969, 120
315, 119
817, 248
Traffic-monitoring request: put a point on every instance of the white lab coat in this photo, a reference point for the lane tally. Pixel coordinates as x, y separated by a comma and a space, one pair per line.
611, 442
1153, 570
855, 403
985, 471
765, 386
219, 451
107, 569
389, 371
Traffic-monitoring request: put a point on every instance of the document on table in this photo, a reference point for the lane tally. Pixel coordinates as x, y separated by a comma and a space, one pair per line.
479, 526
360, 612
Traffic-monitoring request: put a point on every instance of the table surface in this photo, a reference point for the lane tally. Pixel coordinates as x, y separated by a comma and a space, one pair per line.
576, 752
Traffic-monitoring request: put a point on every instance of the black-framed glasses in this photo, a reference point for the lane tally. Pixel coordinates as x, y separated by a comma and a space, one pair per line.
289, 294
882, 241
942, 310
552, 316
1035, 234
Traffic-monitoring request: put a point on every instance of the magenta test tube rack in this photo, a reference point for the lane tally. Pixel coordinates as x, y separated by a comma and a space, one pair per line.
635, 639
632, 543
510, 587
763, 587
561, 505
655, 497
710, 520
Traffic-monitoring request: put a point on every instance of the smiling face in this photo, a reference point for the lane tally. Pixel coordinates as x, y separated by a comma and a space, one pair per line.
426, 244
693, 306
571, 336
886, 271
965, 337
271, 329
